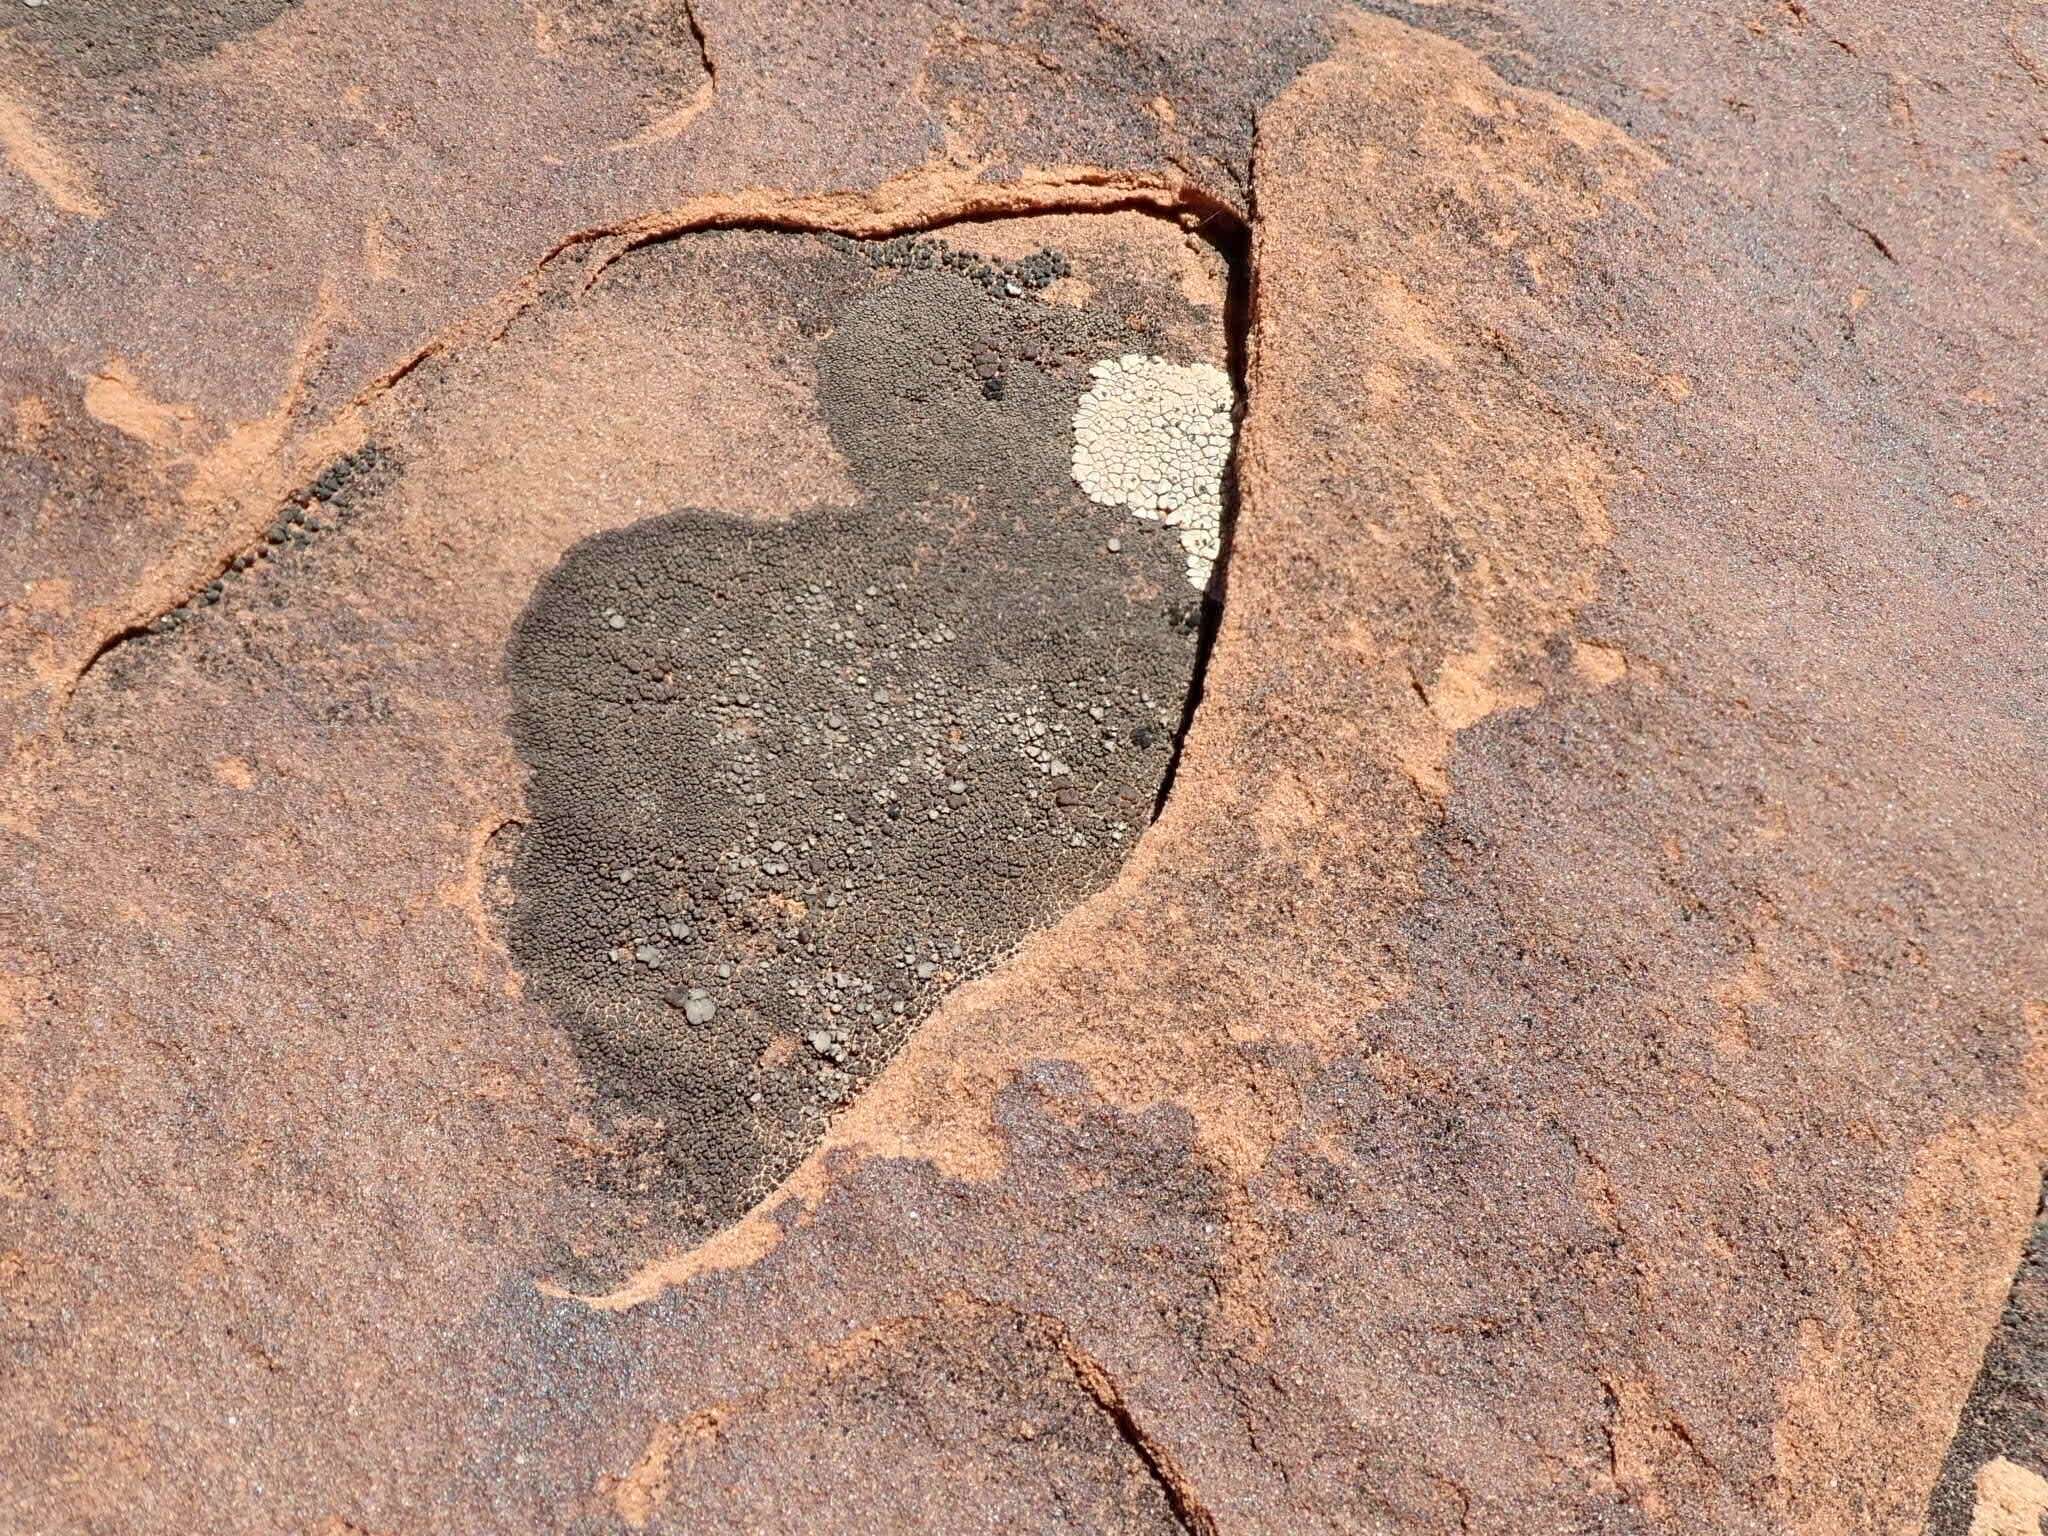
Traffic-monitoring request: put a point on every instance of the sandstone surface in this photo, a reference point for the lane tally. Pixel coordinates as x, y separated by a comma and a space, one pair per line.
1571, 1052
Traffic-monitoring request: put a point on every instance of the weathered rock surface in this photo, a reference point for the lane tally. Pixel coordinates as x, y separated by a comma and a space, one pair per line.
1570, 1055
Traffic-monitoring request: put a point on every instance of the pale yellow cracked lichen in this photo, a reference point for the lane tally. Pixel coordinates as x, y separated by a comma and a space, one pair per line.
1154, 436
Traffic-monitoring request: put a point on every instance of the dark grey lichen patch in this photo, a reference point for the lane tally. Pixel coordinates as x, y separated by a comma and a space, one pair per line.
791, 784
324, 505
996, 277
2007, 1411
98, 38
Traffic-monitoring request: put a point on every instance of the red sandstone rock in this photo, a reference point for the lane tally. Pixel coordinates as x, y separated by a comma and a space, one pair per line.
1569, 1056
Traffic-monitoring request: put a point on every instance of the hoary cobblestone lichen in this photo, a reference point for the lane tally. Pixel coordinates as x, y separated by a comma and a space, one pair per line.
1154, 437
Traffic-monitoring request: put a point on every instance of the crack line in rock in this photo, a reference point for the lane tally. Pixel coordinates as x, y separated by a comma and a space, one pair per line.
696, 26
639, 1494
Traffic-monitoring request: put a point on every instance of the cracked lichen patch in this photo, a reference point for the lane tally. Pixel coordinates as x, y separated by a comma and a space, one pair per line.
1154, 437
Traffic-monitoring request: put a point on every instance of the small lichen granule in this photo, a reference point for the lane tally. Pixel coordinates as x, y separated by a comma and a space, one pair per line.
1153, 437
